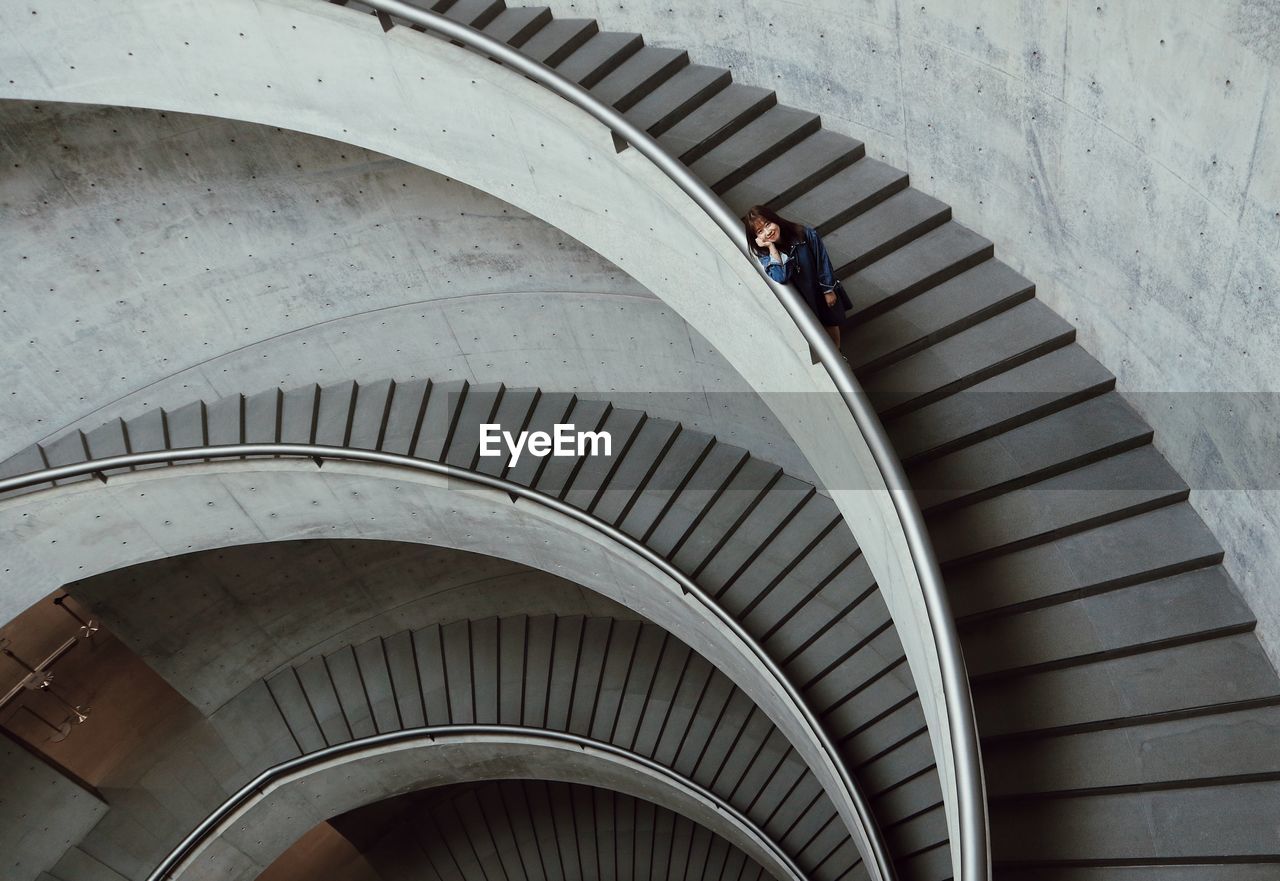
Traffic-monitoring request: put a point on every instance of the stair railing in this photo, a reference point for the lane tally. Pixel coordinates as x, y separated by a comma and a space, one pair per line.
867, 836
245, 797
961, 723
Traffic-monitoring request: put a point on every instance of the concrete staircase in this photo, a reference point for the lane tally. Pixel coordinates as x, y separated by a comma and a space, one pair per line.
618, 681
1128, 715
523, 830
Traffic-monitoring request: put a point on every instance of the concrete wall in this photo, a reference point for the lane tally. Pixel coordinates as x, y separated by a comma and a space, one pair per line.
41, 812
153, 257
1123, 155
213, 623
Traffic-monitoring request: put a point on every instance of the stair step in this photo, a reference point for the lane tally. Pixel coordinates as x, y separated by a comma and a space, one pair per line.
820, 563
1067, 439
802, 167
771, 562
515, 409
954, 305
1097, 493
598, 57
558, 39
743, 492
674, 99
684, 509
551, 409
514, 26
1201, 825
932, 259
679, 463
1127, 620
846, 194
911, 758
715, 120
1022, 394
754, 145
1148, 545
404, 418
1243, 743
778, 506
1012, 337
639, 75
843, 615
883, 229
1103, 693
70, 449
622, 426
880, 738
475, 13
557, 472
332, 417
370, 415
442, 409
480, 407
634, 471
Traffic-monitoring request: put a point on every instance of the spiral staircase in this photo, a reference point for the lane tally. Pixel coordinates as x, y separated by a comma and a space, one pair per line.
1128, 715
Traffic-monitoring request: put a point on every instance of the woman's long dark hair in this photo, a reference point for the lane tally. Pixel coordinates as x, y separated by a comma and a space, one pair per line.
792, 232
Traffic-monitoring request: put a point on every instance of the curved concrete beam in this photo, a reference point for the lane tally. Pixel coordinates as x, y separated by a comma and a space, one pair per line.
84, 529
362, 772
320, 68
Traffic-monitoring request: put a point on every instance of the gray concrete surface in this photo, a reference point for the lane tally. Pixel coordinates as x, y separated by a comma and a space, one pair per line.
88, 528
215, 622
1125, 156
246, 256
454, 113
41, 812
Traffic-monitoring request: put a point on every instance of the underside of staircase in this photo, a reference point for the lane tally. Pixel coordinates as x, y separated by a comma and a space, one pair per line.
1128, 715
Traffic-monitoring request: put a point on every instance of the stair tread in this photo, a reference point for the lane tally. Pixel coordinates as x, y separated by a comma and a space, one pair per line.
639, 75
1018, 394
1178, 607
1185, 677
845, 194
558, 39
1153, 542
883, 229
1082, 431
714, 120
961, 360
979, 290
1105, 489
1238, 743
677, 96
755, 144
517, 24
931, 259
807, 164
599, 56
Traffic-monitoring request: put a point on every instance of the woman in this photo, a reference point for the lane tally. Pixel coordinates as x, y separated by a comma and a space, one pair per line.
793, 253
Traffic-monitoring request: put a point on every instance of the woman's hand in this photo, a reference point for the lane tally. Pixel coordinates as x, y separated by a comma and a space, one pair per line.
831, 298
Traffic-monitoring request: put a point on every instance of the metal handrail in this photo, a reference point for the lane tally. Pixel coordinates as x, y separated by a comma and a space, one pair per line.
434, 734
961, 720
879, 862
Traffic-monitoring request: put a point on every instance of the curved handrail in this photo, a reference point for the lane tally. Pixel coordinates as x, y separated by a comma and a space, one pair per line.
225, 812
961, 720
879, 862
